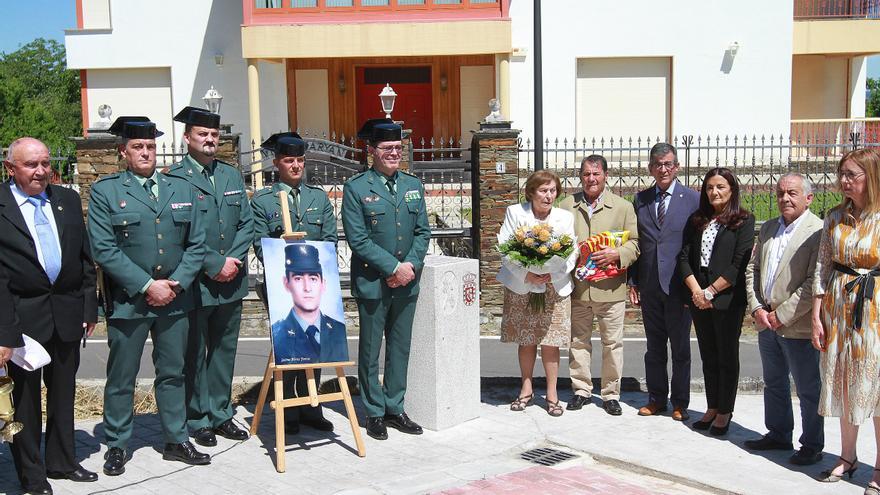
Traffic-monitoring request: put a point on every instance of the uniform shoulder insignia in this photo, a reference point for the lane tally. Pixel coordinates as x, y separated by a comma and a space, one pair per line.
262, 192
109, 177
357, 176
221, 162
313, 186
408, 173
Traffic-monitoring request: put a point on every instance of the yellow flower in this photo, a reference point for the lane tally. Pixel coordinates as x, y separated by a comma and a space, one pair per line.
519, 234
556, 246
544, 236
543, 250
529, 242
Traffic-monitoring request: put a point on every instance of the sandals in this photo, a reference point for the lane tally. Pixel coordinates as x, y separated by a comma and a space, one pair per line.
521, 403
872, 489
554, 409
829, 476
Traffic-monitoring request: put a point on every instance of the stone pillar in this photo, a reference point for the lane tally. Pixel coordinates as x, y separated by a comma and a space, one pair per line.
228, 149
253, 77
443, 385
495, 165
96, 156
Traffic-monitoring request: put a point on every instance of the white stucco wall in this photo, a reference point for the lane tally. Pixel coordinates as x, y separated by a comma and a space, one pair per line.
751, 95
133, 92
184, 37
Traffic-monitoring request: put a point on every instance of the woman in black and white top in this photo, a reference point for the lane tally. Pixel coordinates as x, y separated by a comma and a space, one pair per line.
718, 241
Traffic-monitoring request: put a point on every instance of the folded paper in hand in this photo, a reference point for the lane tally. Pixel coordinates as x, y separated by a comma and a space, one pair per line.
32, 356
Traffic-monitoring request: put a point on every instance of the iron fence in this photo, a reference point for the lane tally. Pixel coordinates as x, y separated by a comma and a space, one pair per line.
836, 9
757, 161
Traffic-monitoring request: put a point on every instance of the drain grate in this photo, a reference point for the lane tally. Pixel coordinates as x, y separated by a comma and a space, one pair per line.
546, 457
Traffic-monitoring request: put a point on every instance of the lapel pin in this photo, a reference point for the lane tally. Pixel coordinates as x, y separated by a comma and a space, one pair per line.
189, 171
122, 204
60, 208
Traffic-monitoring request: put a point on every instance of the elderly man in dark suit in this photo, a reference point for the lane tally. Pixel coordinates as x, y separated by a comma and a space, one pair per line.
662, 211
48, 284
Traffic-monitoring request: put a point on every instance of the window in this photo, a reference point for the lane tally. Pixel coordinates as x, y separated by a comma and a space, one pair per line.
410, 2
447, 2
374, 3
268, 4
303, 4
340, 3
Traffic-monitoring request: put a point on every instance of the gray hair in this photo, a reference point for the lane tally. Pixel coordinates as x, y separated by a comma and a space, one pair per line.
660, 150
806, 185
13, 146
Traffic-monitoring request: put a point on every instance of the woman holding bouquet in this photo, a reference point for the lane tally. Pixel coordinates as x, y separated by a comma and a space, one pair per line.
718, 244
537, 308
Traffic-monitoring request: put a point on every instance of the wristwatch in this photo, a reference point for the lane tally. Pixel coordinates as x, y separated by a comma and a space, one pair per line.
708, 294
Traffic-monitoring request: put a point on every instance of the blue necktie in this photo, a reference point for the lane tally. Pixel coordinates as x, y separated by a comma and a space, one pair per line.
311, 331
48, 243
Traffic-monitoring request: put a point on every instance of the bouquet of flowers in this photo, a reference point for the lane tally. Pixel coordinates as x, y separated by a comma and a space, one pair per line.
586, 268
538, 249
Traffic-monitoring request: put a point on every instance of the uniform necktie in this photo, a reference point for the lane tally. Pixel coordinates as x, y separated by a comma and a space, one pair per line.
661, 207
148, 187
294, 200
48, 242
208, 175
391, 188
311, 331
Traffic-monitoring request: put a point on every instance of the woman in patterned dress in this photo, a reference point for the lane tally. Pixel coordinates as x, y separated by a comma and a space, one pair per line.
846, 308
718, 244
552, 328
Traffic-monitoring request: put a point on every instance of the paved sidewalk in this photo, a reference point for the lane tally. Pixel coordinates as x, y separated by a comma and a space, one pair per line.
621, 455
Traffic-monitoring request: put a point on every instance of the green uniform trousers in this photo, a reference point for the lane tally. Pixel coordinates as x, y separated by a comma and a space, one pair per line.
391, 318
210, 362
126, 340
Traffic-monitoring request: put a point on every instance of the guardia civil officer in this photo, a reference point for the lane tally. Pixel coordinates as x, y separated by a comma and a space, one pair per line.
386, 226
146, 235
222, 284
310, 212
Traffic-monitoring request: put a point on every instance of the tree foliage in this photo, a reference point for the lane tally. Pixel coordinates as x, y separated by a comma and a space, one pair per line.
39, 96
872, 105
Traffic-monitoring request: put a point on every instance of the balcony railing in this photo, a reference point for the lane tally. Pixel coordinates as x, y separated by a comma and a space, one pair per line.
836, 9
835, 131
316, 11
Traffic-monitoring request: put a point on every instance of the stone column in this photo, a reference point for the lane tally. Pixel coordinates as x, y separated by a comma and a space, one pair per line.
96, 156
495, 176
253, 77
228, 149
443, 381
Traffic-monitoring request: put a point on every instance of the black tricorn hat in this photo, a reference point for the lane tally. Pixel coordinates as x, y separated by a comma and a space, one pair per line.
134, 128
285, 143
301, 258
378, 130
199, 117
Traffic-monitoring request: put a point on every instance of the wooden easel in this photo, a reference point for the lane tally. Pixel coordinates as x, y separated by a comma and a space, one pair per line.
314, 399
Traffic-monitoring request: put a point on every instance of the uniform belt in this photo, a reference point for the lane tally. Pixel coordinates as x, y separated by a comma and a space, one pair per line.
864, 284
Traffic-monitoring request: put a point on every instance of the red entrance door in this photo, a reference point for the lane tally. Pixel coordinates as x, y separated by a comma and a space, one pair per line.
413, 103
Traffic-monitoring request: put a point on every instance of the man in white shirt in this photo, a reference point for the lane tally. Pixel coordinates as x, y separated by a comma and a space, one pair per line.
779, 281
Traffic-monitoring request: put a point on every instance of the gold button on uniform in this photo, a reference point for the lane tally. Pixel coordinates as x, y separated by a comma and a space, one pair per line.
222, 236
161, 251
158, 268
125, 222
159, 236
399, 238
158, 221
222, 252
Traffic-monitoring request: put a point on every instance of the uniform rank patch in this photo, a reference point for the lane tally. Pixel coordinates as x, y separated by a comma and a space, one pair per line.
411, 196
177, 206
370, 199
230, 193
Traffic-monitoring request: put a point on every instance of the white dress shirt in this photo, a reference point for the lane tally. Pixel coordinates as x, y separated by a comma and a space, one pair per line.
27, 211
777, 245
512, 275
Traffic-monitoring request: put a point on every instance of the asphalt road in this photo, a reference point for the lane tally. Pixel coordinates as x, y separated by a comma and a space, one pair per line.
497, 359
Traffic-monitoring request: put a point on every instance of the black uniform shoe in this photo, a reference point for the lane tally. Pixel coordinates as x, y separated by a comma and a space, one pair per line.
115, 460
402, 423
376, 428
205, 437
43, 488
228, 429
321, 424
612, 407
185, 452
80, 474
806, 457
577, 402
767, 443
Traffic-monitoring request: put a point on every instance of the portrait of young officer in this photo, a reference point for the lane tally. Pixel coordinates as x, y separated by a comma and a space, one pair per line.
222, 283
386, 225
306, 335
47, 292
146, 236
310, 212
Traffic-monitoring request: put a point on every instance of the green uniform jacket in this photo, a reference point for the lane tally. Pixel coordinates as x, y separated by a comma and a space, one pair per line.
135, 239
228, 223
382, 232
315, 216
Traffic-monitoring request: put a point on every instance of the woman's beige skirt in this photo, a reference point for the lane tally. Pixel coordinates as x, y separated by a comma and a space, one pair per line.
520, 325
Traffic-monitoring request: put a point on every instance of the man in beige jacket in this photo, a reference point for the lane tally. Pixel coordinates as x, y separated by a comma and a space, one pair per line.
779, 281
596, 210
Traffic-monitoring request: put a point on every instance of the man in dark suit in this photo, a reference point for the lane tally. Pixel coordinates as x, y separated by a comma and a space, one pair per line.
307, 335
48, 293
662, 212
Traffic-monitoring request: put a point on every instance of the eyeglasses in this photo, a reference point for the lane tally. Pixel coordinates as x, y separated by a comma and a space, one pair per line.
388, 149
849, 176
666, 165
